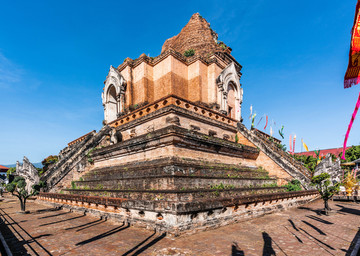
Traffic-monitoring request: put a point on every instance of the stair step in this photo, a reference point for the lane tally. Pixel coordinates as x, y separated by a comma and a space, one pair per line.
167, 182
177, 170
176, 195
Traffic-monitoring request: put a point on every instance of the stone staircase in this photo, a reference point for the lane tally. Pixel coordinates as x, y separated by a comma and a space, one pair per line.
175, 179
283, 159
72, 157
177, 195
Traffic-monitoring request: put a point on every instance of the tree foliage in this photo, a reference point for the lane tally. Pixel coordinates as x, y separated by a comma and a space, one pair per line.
308, 161
326, 189
351, 154
47, 162
18, 188
9, 174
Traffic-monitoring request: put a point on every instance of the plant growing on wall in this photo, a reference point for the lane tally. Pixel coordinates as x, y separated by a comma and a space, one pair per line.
293, 185
189, 53
18, 188
325, 188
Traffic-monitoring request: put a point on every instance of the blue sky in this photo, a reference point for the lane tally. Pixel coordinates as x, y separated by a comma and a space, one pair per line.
54, 57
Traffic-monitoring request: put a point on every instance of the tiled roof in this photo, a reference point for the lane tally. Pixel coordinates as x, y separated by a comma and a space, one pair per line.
323, 152
3, 168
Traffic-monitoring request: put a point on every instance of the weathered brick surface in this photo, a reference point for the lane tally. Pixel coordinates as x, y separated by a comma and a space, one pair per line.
196, 35
303, 231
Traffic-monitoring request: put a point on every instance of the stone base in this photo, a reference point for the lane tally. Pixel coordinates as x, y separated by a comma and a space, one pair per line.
189, 217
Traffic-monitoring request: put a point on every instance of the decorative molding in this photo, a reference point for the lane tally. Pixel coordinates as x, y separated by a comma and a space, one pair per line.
230, 77
116, 80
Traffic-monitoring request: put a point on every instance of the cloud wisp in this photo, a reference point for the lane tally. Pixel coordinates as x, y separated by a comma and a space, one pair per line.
10, 73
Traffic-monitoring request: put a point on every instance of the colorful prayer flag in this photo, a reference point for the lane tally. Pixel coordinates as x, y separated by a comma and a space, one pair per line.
250, 112
266, 122
253, 120
350, 125
306, 147
294, 144
281, 132
352, 75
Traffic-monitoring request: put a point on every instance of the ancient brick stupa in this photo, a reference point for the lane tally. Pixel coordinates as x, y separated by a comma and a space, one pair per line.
177, 157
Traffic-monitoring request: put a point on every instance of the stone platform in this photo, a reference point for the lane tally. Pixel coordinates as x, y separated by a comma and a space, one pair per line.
298, 231
176, 195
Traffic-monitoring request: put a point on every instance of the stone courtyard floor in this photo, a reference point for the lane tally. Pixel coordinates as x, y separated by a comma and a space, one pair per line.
300, 231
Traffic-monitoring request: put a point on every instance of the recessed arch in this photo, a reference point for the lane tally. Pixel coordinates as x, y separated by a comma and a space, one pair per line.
113, 96
112, 108
230, 92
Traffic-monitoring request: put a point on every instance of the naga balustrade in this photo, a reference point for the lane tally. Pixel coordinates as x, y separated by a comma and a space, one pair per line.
285, 155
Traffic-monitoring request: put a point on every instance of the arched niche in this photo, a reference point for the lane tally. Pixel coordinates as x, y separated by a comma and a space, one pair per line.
113, 96
112, 108
230, 92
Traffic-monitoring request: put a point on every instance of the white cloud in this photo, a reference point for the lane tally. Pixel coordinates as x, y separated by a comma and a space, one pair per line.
9, 72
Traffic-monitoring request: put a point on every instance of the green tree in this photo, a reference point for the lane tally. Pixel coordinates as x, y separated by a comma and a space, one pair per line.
46, 163
308, 161
323, 185
351, 154
18, 188
9, 174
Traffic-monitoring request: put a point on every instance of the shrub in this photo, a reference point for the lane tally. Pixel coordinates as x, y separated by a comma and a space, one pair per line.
73, 185
293, 185
189, 53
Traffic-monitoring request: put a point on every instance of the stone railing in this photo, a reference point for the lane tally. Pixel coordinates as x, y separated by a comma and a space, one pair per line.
288, 157
101, 203
273, 197
176, 101
80, 138
73, 158
290, 165
79, 199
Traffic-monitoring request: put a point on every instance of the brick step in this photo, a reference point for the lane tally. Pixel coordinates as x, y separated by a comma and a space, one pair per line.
169, 165
167, 182
176, 195
176, 171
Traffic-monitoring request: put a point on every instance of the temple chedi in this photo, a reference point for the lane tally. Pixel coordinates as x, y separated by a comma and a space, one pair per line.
173, 154
209, 76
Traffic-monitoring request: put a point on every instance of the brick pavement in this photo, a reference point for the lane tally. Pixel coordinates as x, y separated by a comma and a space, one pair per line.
302, 231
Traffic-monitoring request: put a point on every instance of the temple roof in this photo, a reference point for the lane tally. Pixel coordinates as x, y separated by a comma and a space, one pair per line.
196, 35
3, 168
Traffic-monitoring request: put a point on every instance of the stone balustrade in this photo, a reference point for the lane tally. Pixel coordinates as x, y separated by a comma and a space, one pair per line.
80, 139
285, 155
107, 204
